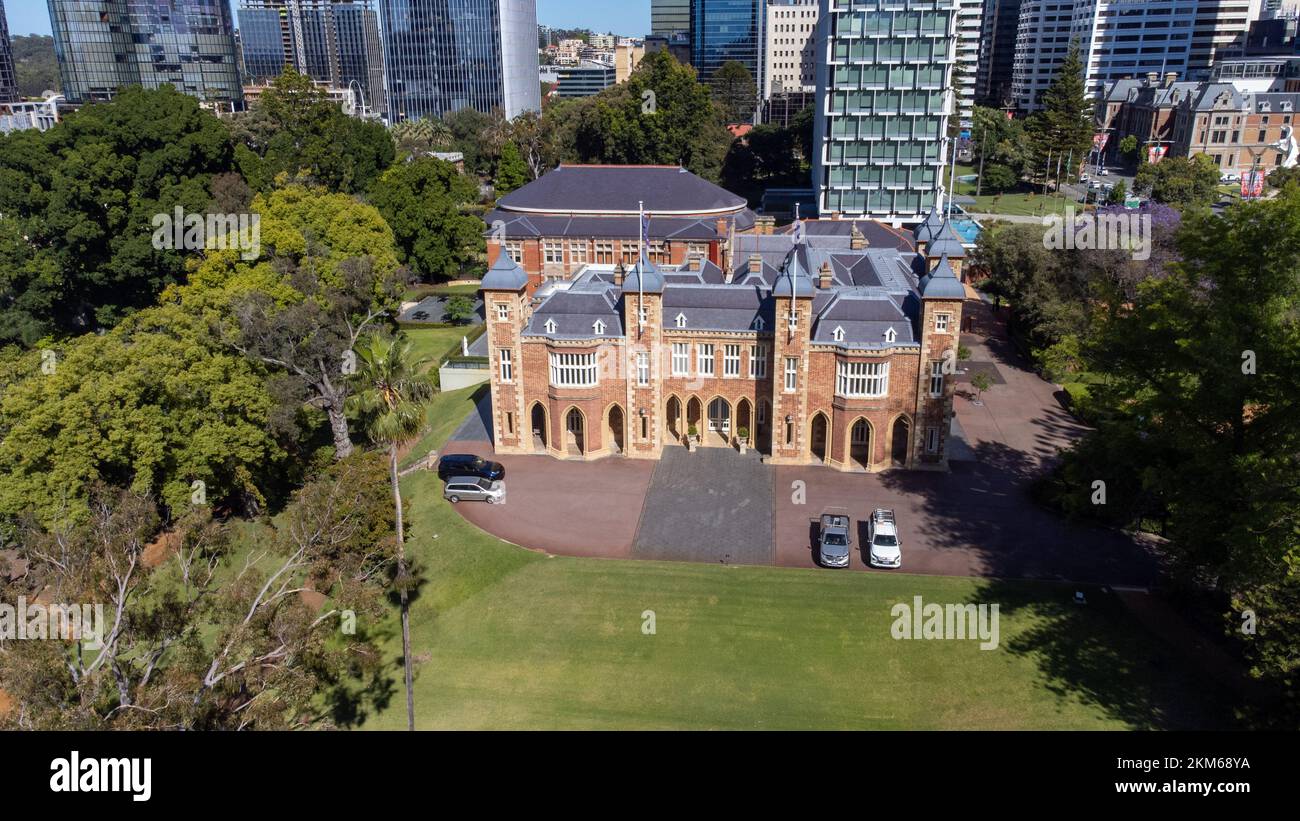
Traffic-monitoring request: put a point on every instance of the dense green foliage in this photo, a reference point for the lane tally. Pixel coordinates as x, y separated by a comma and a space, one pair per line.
423, 202
36, 70
1060, 135
734, 87
1179, 181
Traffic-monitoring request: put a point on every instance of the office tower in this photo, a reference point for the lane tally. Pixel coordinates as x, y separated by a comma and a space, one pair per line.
444, 55
884, 76
103, 45
8, 83
1123, 39
790, 47
727, 30
332, 41
670, 16
997, 52
970, 22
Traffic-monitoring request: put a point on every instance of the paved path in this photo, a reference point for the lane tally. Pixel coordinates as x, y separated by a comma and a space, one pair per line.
713, 505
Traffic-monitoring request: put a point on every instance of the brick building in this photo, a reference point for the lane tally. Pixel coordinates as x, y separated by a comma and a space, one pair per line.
831, 342
590, 214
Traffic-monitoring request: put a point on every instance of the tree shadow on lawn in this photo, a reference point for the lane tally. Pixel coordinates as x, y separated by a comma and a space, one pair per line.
1092, 654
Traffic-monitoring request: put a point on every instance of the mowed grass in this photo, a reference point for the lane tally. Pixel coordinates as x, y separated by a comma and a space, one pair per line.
434, 343
507, 639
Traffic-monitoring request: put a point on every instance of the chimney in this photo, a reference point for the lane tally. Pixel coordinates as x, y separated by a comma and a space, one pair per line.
1170, 78
1152, 77
755, 263
619, 272
825, 277
696, 263
857, 241
722, 226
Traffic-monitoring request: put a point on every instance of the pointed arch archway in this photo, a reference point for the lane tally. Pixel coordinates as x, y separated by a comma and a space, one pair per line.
575, 431
819, 437
694, 415
720, 425
861, 440
615, 427
673, 415
745, 420
900, 440
763, 426
540, 424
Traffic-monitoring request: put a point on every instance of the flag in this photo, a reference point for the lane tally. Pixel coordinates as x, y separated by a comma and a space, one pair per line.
645, 234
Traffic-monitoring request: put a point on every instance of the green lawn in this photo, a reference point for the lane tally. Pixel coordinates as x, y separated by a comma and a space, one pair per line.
1025, 200
436, 342
446, 412
506, 638
417, 292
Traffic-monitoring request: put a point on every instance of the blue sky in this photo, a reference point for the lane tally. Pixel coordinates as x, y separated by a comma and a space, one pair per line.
628, 17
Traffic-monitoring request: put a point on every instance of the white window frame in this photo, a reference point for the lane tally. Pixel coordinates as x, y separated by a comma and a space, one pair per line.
862, 380
574, 370
704, 359
931, 440
730, 361
791, 374
578, 252
506, 363
642, 368
552, 252
758, 361
516, 251
936, 380
503, 311
942, 322
681, 359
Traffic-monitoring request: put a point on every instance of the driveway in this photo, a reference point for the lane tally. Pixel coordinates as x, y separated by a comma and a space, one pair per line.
976, 519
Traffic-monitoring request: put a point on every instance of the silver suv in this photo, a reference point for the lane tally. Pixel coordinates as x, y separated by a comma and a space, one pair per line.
474, 489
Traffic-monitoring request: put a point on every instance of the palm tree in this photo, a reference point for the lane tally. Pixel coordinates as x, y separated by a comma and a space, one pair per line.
392, 395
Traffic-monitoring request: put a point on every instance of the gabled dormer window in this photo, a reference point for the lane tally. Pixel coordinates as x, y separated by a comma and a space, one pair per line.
681, 320
599, 327
891, 335
758, 323
1286, 105
1265, 106
550, 326
838, 333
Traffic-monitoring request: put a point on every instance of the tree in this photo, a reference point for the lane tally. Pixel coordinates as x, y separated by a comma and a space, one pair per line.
1062, 132
392, 395
1202, 428
296, 130
980, 382
479, 137
511, 171
1128, 148
79, 202
151, 405
661, 116
190, 648
1280, 178
735, 89
422, 202
459, 309
329, 272
422, 137
36, 69
1179, 181
999, 178
763, 158
998, 140
1118, 193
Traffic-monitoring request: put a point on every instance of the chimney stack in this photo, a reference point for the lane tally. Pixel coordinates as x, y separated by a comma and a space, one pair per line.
857, 241
1152, 77
696, 263
619, 273
755, 263
1170, 78
825, 277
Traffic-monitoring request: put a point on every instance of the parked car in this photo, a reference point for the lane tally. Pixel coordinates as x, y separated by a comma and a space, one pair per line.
467, 464
1229, 176
886, 549
834, 540
474, 489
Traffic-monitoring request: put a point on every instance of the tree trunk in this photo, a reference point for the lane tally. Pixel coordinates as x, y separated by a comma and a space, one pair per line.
401, 575
339, 429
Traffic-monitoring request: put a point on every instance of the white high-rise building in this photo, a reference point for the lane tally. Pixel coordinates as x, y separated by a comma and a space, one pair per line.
970, 23
1121, 39
790, 43
884, 96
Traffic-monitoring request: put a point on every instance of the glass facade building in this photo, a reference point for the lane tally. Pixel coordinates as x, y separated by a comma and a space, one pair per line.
444, 55
332, 41
8, 83
670, 16
726, 30
103, 45
884, 95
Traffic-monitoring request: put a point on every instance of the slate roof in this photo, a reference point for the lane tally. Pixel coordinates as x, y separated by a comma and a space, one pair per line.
718, 308
518, 225
945, 243
575, 313
929, 227
942, 283
617, 189
504, 275
865, 320
644, 276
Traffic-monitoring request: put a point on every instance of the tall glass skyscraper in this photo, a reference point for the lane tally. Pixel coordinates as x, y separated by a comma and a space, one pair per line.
884, 94
102, 45
669, 16
726, 30
444, 55
333, 41
8, 83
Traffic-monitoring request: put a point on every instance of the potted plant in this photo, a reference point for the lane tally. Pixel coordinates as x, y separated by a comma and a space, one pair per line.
742, 439
692, 437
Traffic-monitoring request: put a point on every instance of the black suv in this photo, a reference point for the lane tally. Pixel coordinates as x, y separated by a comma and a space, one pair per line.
467, 464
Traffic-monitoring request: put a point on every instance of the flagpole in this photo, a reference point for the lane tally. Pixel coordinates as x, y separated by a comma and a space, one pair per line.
640, 277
